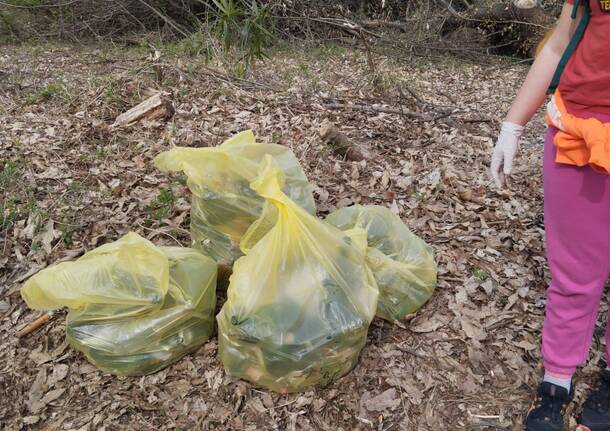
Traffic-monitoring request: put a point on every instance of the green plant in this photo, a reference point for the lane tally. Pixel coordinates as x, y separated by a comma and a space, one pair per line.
8, 213
243, 24
44, 94
112, 91
305, 70
35, 246
327, 51
9, 173
76, 186
198, 44
480, 275
101, 153
181, 179
164, 203
9, 24
67, 233
68, 226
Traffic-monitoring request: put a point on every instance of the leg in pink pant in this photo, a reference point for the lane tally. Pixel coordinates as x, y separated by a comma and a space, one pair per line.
577, 222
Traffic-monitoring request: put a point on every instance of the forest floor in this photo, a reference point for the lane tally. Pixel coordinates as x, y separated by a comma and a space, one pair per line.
468, 360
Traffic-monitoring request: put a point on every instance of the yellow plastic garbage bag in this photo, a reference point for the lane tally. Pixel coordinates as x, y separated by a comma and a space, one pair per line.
300, 301
223, 205
134, 308
403, 264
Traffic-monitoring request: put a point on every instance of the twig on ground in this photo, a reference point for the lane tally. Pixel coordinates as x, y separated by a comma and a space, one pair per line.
477, 120
229, 79
31, 327
411, 352
38, 6
387, 110
159, 232
378, 23
414, 95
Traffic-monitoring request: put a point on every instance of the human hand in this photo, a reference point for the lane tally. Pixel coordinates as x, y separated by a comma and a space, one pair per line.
505, 151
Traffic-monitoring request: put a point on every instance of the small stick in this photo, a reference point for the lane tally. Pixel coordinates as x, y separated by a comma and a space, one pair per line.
477, 120
387, 110
412, 352
31, 327
383, 109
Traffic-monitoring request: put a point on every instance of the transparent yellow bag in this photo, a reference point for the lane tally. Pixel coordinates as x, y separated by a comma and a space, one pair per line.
300, 301
223, 205
134, 308
402, 263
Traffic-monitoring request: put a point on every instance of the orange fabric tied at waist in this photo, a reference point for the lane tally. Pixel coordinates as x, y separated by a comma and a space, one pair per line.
579, 141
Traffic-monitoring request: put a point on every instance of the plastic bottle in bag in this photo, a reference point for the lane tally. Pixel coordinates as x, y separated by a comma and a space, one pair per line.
300, 301
134, 308
223, 205
403, 264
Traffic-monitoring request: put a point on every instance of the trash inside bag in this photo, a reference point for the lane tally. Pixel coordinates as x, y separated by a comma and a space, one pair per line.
402, 263
134, 308
223, 205
300, 301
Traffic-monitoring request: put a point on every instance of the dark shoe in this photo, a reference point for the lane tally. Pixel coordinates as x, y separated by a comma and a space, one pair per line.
548, 413
596, 412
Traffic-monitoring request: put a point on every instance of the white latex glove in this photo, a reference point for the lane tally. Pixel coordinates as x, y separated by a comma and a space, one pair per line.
505, 151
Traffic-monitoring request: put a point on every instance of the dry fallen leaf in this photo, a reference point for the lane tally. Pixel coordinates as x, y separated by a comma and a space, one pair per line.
31, 420
257, 405
34, 402
387, 400
60, 371
49, 235
52, 395
425, 324
465, 195
40, 357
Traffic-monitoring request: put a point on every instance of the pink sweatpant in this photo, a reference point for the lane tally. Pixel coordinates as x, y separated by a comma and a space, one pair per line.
577, 222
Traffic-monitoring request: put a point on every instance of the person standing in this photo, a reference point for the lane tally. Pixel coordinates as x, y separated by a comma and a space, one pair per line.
574, 65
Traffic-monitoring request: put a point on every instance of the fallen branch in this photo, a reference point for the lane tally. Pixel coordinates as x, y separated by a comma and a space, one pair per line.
350, 27
31, 327
387, 110
378, 23
477, 120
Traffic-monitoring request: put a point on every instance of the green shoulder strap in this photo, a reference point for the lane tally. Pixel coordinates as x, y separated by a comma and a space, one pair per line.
580, 30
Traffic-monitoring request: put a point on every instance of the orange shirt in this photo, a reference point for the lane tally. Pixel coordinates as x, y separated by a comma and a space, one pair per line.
581, 141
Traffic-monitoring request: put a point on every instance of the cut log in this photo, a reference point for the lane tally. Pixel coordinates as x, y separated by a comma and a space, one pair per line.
341, 145
156, 107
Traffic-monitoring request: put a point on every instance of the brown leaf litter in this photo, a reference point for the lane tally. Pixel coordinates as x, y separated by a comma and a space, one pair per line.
468, 360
